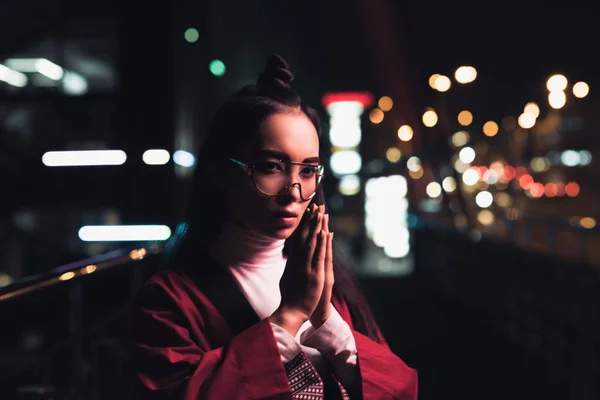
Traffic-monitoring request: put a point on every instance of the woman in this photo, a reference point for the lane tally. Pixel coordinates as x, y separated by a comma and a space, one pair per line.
248, 308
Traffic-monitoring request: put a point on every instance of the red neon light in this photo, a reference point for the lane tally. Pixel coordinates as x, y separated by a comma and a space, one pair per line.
365, 98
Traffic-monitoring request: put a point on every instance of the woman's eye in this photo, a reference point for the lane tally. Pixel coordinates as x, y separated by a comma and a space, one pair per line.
309, 171
268, 166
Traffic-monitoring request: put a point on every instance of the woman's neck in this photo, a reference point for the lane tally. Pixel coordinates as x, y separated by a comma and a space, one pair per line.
238, 246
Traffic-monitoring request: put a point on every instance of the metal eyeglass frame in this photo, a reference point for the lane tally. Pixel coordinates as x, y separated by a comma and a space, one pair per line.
287, 188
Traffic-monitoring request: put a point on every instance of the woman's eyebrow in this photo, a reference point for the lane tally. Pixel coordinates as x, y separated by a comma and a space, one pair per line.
284, 156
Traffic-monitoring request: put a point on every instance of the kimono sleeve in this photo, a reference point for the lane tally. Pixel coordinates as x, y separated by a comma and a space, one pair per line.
172, 358
383, 374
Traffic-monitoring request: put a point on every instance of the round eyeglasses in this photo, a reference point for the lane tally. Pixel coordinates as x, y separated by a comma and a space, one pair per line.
272, 177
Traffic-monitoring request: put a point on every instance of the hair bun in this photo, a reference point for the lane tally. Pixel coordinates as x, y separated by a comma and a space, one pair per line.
277, 74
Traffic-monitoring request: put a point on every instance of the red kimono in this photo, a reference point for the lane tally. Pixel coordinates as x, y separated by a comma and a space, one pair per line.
195, 336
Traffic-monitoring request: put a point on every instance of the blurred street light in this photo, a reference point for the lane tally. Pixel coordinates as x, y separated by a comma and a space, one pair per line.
465, 74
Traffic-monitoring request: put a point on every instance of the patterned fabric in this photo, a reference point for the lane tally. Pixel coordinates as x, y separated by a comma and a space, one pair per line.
305, 381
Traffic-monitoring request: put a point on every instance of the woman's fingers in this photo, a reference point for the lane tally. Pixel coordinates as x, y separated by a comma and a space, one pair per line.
305, 224
329, 259
318, 263
329, 244
312, 240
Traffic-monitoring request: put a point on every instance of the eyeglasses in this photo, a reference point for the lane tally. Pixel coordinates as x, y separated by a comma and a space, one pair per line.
272, 177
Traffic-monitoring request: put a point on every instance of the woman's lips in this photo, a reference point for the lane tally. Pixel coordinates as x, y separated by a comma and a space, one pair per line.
286, 220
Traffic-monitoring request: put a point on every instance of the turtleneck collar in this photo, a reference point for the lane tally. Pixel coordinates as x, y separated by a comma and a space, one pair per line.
240, 247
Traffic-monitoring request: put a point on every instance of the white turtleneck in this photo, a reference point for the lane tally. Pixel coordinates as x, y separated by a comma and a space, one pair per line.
257, 263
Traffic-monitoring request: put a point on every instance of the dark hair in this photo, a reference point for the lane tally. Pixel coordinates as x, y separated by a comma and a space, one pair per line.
234, 124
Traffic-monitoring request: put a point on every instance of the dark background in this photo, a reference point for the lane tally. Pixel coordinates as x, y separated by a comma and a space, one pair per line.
482, 310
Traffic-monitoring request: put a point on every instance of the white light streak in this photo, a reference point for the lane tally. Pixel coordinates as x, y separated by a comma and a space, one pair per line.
81, 158
123, 233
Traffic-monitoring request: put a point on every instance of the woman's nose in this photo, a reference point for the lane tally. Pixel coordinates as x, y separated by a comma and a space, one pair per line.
294, 191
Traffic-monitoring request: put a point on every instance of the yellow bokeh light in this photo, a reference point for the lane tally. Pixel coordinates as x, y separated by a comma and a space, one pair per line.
485, 217
442, 83
386, 103
465, 118
137, 254
5, 279
66, 276
557, 99
526, 121
532, 108
432, 80
557, 83
490, 128
349, 185
430, 118
88, 269
581, 89
465, 74
587, 222
433, 190
539, 164
393, 154
503, 199
449, 184
460, 138
497, 166
376, 116
417, 174
405, 133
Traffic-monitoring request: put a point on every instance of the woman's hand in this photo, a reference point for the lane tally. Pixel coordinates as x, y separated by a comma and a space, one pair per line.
323, 310
304, 277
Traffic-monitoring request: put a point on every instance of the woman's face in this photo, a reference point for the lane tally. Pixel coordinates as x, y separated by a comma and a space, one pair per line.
290, 137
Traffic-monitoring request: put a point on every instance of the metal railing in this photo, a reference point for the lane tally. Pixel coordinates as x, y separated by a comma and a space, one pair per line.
77, 323
75, 270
